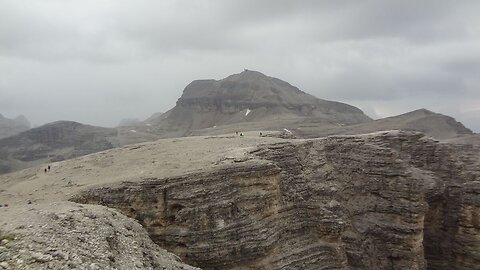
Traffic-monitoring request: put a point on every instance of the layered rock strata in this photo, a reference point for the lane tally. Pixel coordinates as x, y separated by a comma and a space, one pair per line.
378, 201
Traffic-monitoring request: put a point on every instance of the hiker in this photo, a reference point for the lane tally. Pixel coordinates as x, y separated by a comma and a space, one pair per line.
261, 134
241, 134
45, 170
48, 167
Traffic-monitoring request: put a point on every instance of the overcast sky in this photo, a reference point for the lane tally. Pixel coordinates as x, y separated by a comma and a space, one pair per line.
98, 61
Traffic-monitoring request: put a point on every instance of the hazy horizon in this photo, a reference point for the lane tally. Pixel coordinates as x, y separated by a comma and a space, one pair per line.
98, 62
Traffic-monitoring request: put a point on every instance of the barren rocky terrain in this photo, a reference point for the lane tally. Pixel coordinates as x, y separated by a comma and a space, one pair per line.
65, 235
386, 200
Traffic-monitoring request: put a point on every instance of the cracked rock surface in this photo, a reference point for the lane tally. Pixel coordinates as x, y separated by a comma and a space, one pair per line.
72, 236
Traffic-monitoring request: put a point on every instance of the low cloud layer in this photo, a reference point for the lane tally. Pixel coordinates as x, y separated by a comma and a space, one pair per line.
100, 61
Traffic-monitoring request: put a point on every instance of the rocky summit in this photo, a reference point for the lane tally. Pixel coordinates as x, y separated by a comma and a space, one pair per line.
250, 101
385, 200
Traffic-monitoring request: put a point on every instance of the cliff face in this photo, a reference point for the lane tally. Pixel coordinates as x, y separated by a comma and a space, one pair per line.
381, 201
452, 228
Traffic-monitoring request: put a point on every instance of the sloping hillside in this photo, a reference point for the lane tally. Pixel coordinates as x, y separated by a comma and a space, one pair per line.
434, 124
52, 142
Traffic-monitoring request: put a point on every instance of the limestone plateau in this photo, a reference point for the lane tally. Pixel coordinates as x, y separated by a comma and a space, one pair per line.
323, 187
392, 200
248, 101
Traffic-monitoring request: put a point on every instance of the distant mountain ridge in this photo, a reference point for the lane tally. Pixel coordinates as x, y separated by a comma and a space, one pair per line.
9, 127
248, 101
62, 140
52, 142
433, 124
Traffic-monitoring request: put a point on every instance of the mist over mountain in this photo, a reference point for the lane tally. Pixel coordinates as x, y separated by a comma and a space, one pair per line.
240, 135
247, 101
290, 182
9, 127
129, 122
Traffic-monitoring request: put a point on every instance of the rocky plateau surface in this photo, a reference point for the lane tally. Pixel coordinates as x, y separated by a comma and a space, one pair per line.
387, 200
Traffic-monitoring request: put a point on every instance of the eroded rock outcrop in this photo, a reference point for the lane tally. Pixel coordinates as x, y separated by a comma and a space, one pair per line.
378, 201
72, 236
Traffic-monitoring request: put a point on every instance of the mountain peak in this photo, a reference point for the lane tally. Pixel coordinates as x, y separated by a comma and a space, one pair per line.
421, 111
248, 86
251, 97
247, 73
22, 120
252, 76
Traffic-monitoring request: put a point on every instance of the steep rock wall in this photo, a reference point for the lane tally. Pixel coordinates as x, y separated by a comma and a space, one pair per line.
451, 232
345, 202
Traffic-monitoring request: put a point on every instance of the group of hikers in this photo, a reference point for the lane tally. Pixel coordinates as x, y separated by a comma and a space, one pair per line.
47, 169
241, 134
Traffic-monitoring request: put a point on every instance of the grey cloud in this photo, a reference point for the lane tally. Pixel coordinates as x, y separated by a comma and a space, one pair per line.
418, 22
466, 64
100, 61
